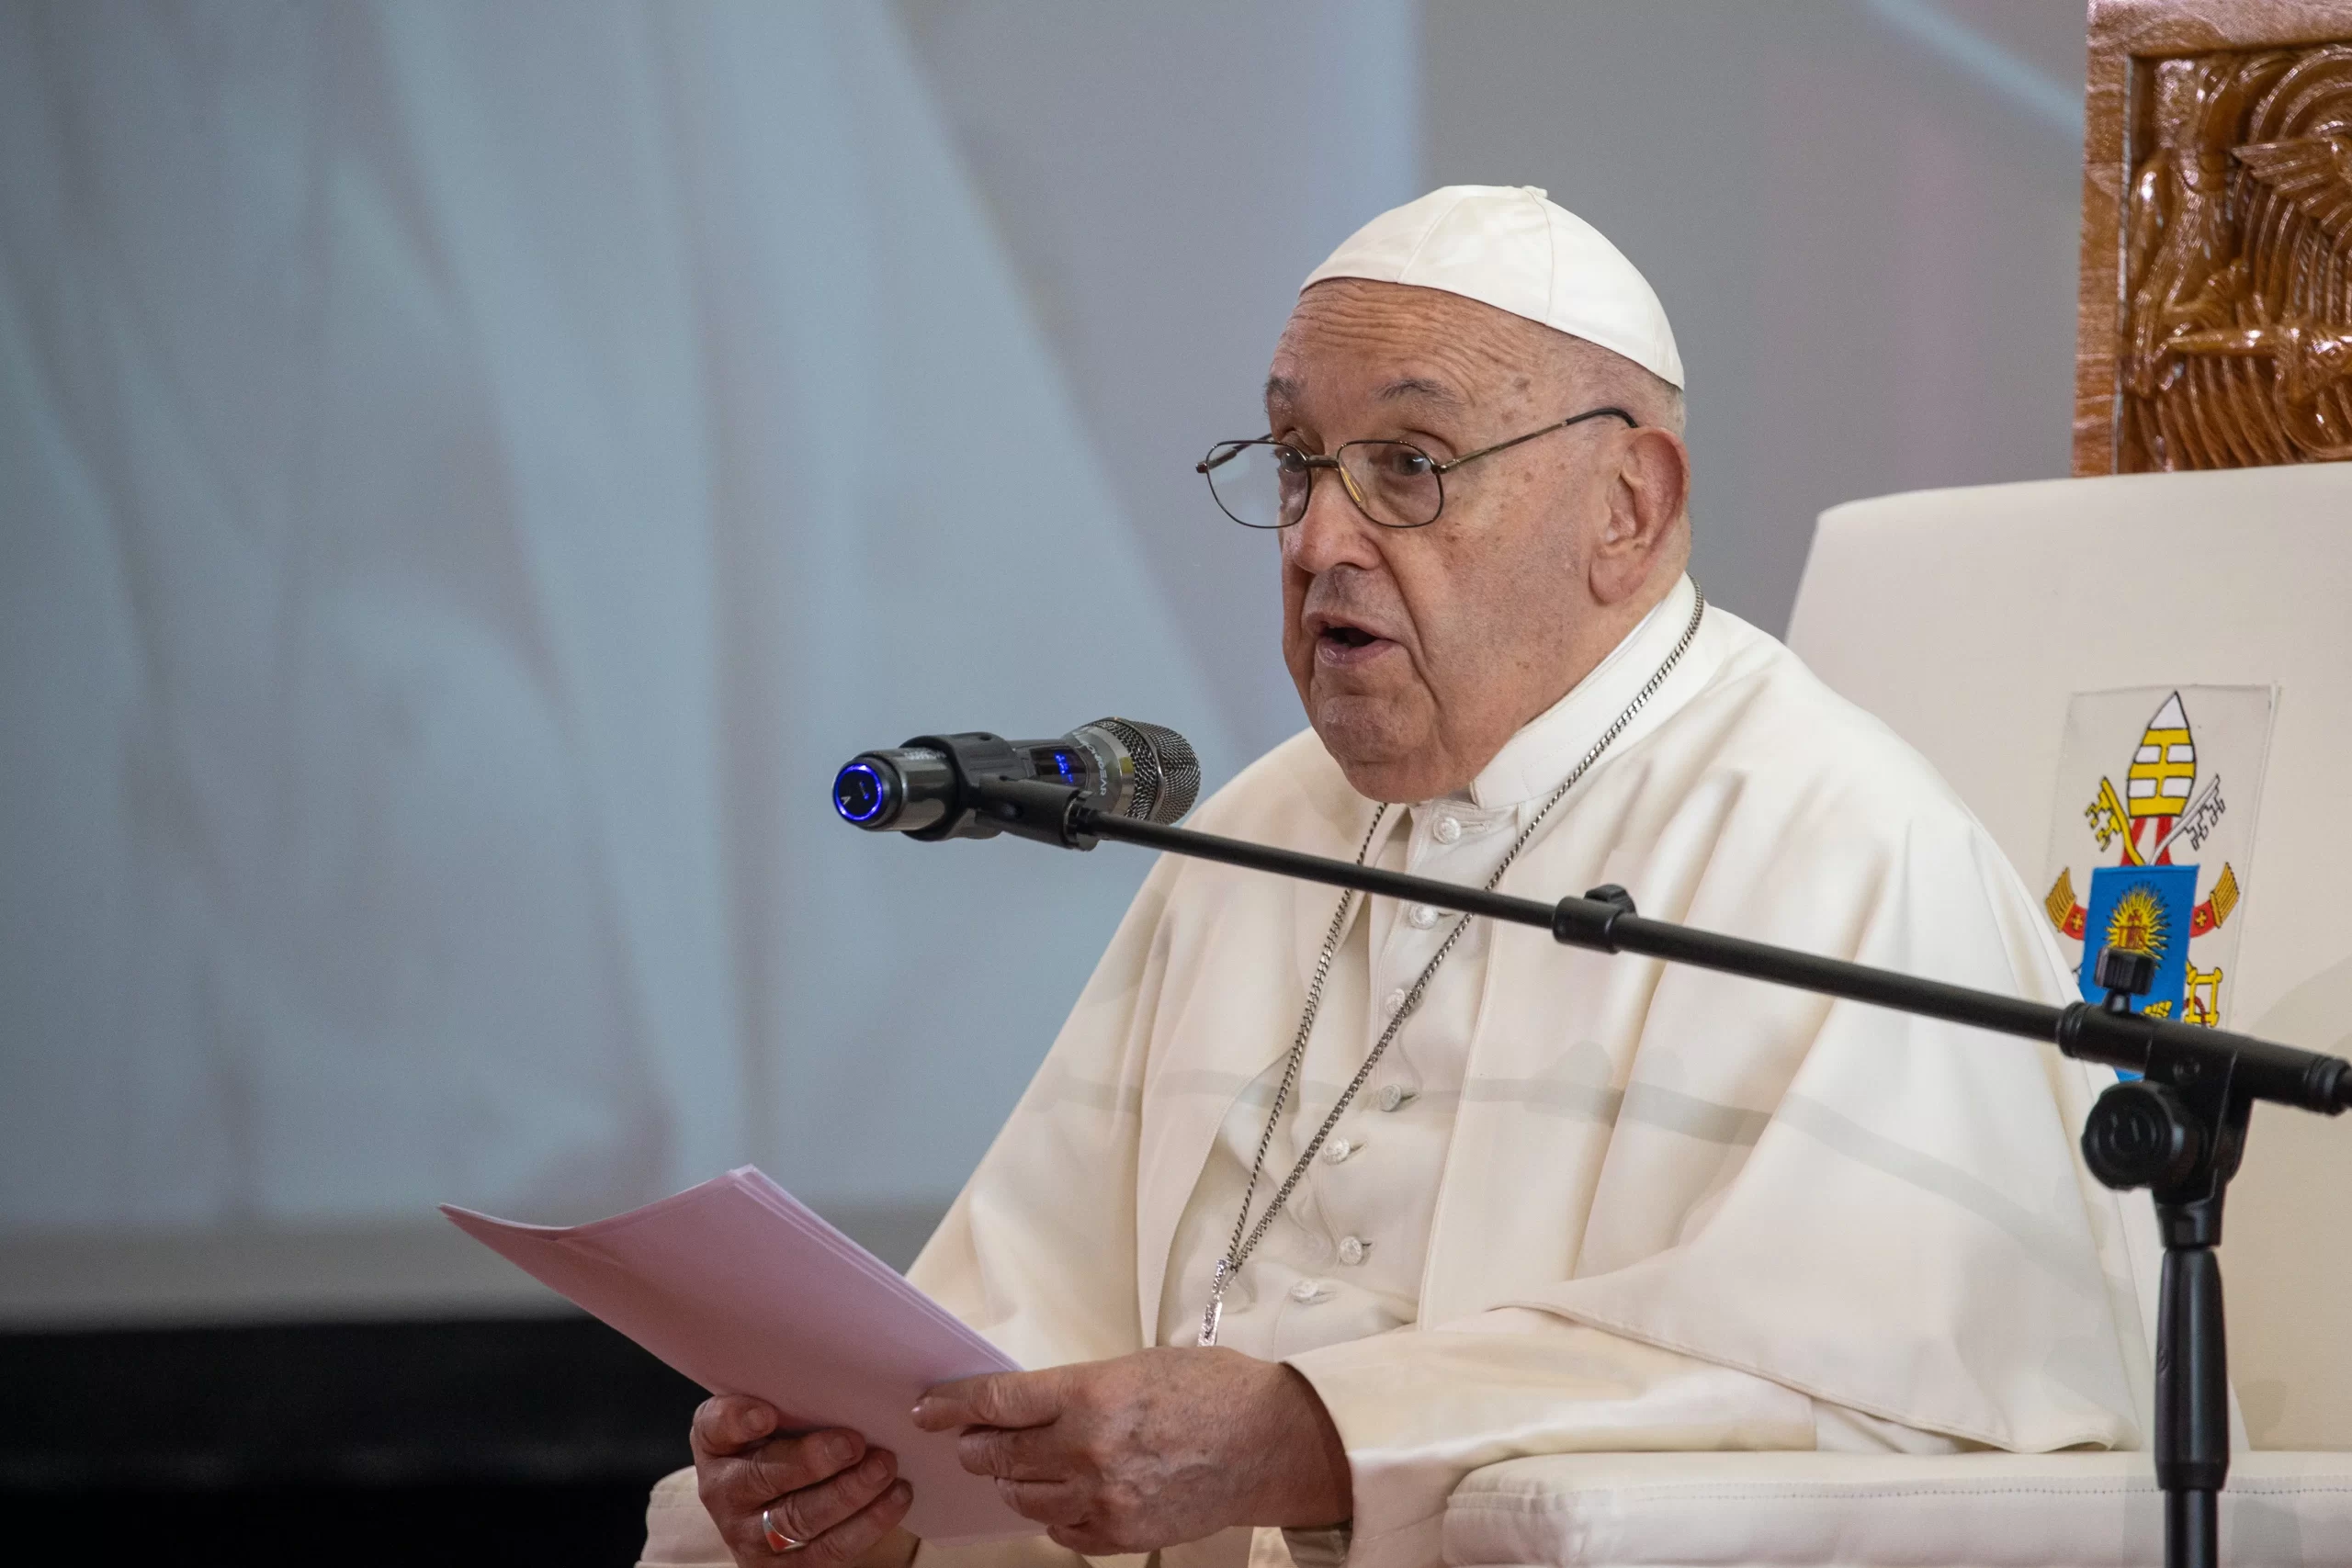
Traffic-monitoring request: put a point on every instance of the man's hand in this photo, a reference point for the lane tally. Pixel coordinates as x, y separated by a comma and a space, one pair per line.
1150, 1449
826, 1489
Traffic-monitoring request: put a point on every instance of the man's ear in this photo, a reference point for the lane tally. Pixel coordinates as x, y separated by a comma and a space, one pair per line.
1646, 500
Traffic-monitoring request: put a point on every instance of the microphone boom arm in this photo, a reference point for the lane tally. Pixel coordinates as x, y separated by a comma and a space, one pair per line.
1604, 921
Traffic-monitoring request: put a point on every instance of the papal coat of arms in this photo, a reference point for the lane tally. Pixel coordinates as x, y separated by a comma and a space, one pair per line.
2157, 791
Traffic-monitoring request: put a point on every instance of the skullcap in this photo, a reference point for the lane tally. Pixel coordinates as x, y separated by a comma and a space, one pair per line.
1510, 247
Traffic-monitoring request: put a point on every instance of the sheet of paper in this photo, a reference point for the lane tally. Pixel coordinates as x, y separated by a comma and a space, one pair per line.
745, 1289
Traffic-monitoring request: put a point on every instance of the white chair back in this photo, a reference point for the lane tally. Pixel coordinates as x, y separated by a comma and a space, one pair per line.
1966, 618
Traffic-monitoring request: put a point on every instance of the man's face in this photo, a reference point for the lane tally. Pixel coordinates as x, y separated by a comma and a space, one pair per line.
1419, 651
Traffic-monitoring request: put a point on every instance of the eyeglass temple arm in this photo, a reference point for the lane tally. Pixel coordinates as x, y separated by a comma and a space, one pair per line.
1612, 412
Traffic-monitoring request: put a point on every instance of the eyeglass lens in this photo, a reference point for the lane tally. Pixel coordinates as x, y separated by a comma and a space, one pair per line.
1264, 484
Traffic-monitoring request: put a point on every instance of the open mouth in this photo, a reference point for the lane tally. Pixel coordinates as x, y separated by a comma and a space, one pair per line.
1342, 643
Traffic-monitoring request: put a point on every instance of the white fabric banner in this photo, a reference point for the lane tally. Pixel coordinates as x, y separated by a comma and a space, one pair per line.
469, 474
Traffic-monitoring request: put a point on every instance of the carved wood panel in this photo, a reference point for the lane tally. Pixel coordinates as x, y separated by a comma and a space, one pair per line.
2217, 251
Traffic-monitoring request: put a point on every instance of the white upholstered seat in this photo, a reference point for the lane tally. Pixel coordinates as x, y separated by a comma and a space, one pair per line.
1978, 1510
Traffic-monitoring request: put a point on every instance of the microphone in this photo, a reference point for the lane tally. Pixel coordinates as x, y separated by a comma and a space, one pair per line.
930, 788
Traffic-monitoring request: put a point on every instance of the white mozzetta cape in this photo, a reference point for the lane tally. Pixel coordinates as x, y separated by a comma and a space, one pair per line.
1674, 1202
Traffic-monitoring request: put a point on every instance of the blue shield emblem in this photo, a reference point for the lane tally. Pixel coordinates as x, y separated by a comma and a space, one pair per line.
2149, 907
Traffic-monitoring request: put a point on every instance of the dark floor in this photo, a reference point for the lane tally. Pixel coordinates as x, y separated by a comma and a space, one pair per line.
451, 1444
594, 1524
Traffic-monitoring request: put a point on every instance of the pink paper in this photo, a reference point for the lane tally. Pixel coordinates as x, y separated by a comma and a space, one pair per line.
742, 1288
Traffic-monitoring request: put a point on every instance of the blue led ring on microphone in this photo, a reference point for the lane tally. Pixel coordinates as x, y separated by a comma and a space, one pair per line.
861, 794
905, 789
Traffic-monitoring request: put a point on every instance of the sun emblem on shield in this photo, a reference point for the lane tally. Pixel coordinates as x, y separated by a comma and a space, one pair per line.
2139, 919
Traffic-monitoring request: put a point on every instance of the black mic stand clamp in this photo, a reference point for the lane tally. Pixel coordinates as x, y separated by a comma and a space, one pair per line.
2180, 1131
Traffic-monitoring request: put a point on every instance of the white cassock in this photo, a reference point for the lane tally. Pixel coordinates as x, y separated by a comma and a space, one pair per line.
1586, 1201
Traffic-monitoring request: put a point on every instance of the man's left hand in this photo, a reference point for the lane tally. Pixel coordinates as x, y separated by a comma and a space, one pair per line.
1150, 1449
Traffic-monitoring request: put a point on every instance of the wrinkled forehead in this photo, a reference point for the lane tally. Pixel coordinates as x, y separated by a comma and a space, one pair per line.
1353, 342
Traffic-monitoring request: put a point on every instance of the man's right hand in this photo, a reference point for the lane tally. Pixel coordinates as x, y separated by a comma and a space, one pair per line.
824, 1489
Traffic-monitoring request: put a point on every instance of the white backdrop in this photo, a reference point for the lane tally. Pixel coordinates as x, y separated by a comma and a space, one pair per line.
469, 471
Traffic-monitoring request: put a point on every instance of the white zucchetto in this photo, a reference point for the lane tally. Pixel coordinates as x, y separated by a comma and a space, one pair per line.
1510, 247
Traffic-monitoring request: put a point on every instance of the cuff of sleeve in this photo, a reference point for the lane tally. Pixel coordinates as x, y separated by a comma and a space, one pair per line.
1398, 1509
1325, 1547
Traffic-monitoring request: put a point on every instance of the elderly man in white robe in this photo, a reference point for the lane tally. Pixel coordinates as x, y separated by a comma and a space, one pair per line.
1319, 1203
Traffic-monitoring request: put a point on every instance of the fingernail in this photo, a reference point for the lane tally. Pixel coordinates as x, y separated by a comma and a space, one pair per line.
760, 1421
876, 1470
838, 1451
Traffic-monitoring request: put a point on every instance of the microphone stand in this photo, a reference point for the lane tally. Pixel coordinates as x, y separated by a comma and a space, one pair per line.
2179, 1129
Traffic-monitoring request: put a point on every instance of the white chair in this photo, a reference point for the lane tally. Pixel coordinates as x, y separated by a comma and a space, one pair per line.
1965, 619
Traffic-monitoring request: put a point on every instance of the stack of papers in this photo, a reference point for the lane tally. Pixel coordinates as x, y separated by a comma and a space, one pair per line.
742, 1288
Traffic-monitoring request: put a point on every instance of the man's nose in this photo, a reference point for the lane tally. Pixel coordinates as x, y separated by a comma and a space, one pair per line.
1332, 531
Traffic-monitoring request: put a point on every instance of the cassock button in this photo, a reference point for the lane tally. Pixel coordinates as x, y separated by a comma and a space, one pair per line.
1393, 1096
1392, 1000
1338, 1149
1446, 829
1353, 1248
1423, 917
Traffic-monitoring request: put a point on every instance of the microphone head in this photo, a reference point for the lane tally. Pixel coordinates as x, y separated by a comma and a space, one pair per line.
1167, 774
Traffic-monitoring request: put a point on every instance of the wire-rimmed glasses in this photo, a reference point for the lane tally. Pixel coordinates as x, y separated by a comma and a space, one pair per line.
1264, 483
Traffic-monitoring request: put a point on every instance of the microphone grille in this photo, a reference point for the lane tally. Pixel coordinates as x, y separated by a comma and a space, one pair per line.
1168, 775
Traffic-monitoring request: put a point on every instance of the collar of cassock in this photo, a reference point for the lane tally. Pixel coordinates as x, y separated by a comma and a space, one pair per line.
1533, 761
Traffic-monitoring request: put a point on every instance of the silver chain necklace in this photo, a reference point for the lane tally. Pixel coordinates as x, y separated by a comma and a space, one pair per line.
1238, 1250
